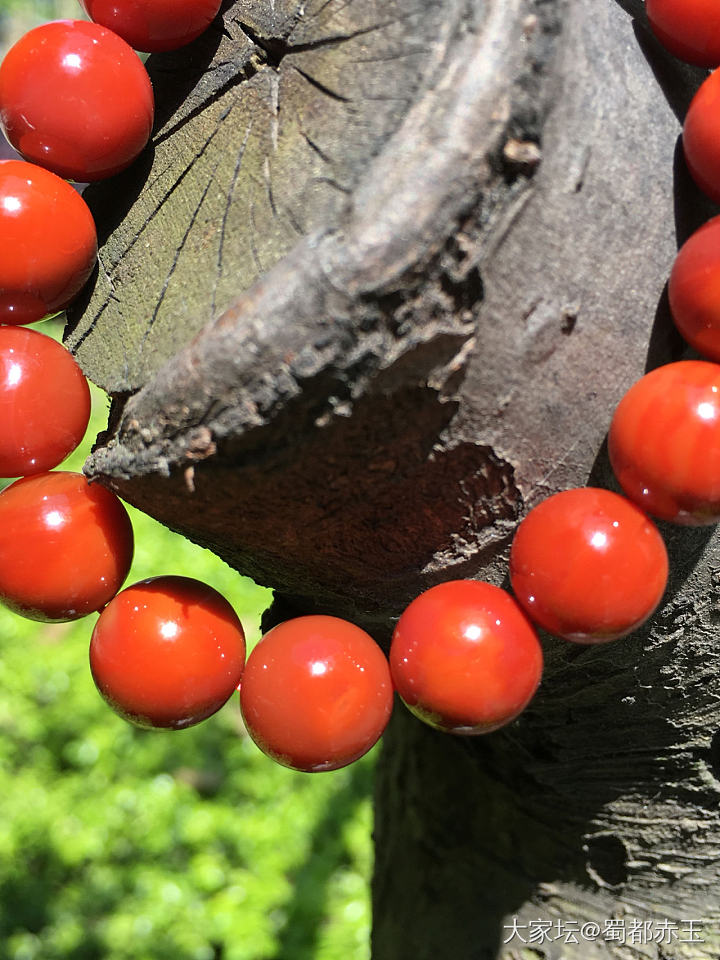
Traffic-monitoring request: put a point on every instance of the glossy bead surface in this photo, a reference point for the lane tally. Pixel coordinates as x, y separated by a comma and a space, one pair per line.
588, 565
48, 242
76, 99
465, 658
694, 290
689, 29
154, 25
65, 546
44, 402
316, 693
167, 652
701, 137
664, 442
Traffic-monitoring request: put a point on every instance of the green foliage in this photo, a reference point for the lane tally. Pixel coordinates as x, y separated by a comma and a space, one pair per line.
19, 16
42, 9
123, 844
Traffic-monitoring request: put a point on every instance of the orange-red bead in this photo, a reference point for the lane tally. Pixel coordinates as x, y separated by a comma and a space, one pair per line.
588, 565
44, 402
664, 442
65, 546
465, 658
167, 652
154, 25
48, 243
689, 29
316, 693
701, 137
75, 98
694, 290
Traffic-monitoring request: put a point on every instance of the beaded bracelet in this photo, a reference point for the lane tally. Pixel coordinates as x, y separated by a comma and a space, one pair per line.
587, 565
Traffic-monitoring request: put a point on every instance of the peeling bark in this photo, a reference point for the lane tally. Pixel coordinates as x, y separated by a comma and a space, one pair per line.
374, 292
347, 353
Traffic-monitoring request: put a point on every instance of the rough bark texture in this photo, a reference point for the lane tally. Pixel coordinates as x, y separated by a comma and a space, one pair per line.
374, 292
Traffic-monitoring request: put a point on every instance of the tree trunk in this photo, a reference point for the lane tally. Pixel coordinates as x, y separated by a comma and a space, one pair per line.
373, 293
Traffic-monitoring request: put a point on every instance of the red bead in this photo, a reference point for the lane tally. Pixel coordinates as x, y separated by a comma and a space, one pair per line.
76, 99
44, 402
701, 137
65, 546
154, 25
47, 239
689, 29
694, 290
464, 657
588, 565
167, 652
664, 442
316, 693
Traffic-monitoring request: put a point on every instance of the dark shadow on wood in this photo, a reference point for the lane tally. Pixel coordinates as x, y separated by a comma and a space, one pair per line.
175, 74
678, 81
692, 207
666, 345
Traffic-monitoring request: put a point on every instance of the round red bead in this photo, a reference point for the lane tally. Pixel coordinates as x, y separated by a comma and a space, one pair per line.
664, 442
44, 402
701, 137
76, 99
65, 546
464, 657
48, 242
167, 652
154, 25
588, 565
316, 693
694, 290
689, 29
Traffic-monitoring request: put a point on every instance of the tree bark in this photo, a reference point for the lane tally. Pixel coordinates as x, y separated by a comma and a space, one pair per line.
372, 294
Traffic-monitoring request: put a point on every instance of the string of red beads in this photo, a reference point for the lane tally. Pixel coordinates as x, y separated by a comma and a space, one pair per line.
316, 693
